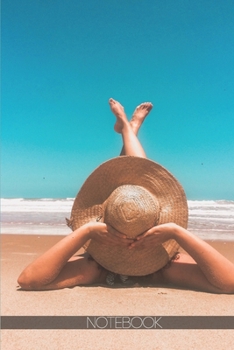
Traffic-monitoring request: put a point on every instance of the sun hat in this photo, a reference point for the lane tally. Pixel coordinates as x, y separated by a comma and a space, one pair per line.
131, 194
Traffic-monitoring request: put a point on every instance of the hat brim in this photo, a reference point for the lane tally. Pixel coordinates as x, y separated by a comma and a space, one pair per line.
89, 204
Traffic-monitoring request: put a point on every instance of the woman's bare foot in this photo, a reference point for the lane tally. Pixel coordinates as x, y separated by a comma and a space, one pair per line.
139, 115
118, 111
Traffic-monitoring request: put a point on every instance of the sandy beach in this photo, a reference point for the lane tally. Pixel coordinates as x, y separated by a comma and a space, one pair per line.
19, 250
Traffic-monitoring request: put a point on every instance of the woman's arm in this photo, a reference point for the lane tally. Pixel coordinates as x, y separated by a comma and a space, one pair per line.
218, 270
53, 270
205, 269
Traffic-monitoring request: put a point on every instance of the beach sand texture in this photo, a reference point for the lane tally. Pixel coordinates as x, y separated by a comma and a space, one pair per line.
19, 250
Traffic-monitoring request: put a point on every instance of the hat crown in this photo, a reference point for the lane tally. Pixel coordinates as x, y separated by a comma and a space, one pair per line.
131, 210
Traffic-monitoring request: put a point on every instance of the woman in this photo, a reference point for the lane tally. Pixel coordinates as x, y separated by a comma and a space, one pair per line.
200, 268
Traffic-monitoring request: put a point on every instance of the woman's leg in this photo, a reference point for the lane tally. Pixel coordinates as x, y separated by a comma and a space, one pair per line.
131, 143
138, 118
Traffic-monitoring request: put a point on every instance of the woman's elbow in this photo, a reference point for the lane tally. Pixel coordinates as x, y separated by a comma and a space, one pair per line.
27, 282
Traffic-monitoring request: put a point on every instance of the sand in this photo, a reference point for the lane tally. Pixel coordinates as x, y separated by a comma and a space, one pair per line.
20, 250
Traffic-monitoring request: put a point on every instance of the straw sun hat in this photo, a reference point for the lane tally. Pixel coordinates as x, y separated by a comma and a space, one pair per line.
132, 195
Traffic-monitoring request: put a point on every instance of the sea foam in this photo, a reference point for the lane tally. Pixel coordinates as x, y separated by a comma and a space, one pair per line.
208, 219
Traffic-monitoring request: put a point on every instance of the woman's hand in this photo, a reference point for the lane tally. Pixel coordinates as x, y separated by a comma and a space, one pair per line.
107, 235
155, 236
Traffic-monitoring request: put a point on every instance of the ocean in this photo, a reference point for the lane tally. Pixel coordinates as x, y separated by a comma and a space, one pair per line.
210, 220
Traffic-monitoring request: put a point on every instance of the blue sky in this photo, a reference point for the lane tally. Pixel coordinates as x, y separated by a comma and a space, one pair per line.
62, 61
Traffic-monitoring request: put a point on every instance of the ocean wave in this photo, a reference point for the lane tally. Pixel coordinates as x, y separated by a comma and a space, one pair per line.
36, 205
207, 218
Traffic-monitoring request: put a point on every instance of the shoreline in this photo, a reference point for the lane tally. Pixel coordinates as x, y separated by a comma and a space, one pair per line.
207, 234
